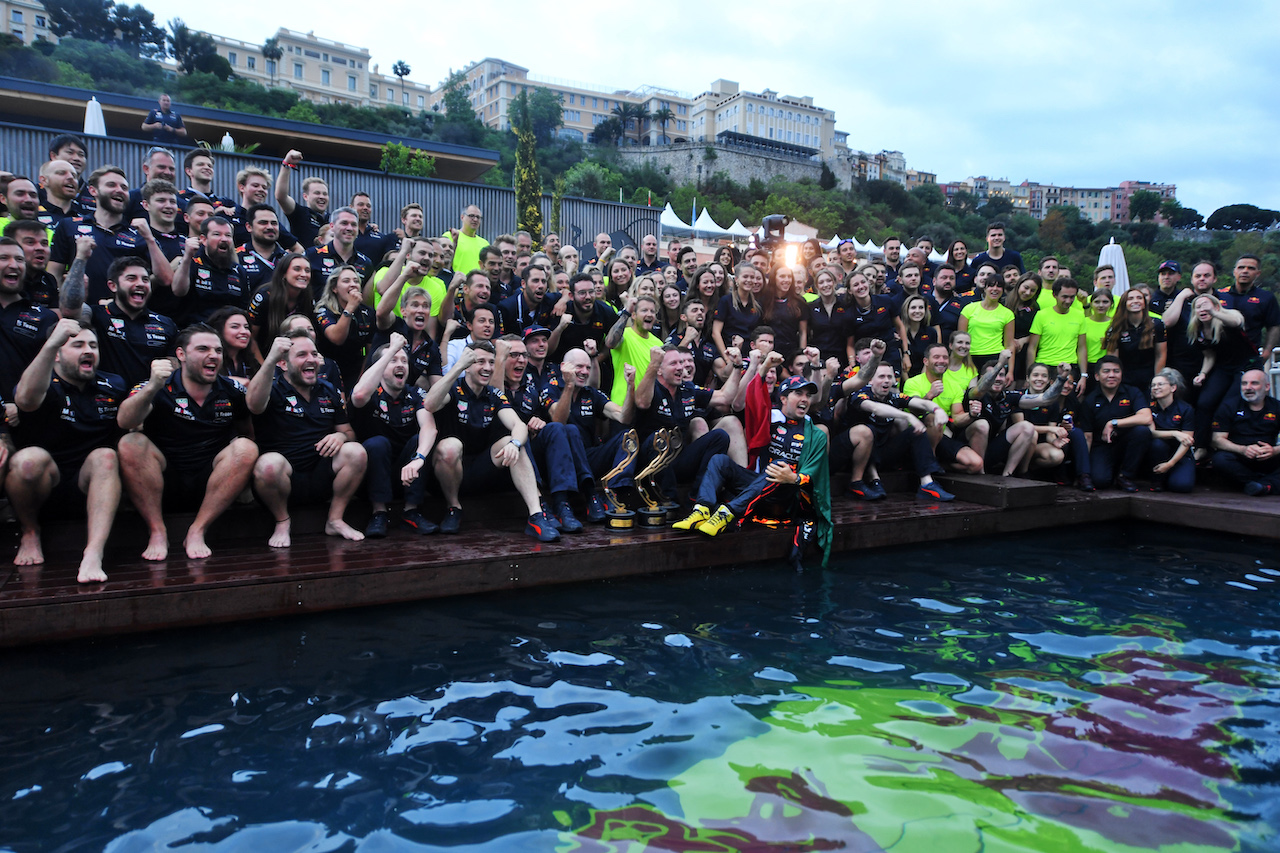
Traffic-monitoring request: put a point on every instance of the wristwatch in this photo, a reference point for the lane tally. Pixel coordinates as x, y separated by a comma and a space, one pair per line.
418, 456
1115, 423
517, 443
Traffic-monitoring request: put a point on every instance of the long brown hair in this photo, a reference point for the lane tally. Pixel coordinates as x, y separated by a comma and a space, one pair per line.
1147, 337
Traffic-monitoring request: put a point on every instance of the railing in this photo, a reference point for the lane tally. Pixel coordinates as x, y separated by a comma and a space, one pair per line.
25, 148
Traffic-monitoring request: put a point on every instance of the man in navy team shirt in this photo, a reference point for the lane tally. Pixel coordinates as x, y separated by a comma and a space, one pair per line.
1259, 307
260, 254
130, 336
67, 435
164, 124
113, 235
308, 217
339, 251
193, 451
996, 254
24, 325
309, 451
1116, 420
1244, 437
209, 275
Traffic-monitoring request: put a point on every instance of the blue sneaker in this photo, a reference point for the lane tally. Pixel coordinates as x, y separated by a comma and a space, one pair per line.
934, 492
875, 491
539, 527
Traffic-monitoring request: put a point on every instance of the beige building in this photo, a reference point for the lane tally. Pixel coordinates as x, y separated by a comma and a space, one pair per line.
723, 108
322, 71
26, 20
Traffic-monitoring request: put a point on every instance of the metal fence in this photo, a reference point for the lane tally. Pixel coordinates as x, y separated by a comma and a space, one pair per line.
25, 148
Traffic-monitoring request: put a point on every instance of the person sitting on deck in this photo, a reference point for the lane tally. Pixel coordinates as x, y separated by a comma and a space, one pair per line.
309, 451
194, 440
481, 441
788, 482
391, 420
885, 430
1244, 437
67, 435
1117, 425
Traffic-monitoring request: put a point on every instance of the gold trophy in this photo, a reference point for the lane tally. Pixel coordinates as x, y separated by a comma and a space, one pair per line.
666, 447
617, 516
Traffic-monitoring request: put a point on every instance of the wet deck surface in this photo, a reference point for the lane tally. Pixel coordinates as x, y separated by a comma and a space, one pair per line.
246, 579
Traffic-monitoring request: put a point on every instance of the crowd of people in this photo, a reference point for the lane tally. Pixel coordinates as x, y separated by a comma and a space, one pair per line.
192, 351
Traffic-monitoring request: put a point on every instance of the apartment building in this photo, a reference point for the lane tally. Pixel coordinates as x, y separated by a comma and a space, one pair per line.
26, 20
322, 71
723, 107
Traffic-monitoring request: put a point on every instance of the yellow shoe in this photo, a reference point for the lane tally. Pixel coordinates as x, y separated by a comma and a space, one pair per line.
718, 521
700, 514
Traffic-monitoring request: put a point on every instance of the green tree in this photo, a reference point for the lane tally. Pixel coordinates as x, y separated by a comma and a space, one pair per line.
136, 32
1241, 217
1143, 205
663, 117
827, 180
83, 19
459, 124
545, 112
195, 51
607, 132
402, 160
528, 183
401, 70
272, 52
18, 60
303, 111
109, 67
592, 180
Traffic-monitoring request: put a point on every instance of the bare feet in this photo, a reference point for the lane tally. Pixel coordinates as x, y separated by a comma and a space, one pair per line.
157, 546
341, 528
91, 569
280, 538
29, 551
194, 543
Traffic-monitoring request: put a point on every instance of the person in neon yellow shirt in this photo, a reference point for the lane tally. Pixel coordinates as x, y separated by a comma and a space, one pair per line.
989, 323
631, 339
422, 254
466, 242
932, 384
1057, 334
1096, 320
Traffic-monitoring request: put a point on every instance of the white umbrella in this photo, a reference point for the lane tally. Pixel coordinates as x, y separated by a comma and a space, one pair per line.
1113, 254
94, 123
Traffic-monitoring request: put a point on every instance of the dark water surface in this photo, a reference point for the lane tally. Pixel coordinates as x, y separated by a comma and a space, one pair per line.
1095, 689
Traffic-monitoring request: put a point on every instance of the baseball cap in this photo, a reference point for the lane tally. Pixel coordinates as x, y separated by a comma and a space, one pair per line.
796, 383
1172, 266
531, 331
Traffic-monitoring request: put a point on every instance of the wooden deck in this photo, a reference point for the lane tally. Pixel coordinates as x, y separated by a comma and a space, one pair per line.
245, 579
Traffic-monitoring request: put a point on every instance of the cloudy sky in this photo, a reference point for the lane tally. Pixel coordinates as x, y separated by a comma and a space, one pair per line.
1078, 93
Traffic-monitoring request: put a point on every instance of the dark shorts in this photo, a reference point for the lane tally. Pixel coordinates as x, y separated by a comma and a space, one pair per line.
66, 500
184, 489
948, 449
480, 476
312, 484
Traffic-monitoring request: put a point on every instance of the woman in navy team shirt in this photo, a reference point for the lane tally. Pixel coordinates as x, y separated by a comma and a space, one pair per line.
739, 312
871, 316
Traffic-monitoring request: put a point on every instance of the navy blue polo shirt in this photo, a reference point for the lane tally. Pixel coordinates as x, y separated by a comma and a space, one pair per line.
1095, 410
1245, 426
291, 425
72, 422
325, 259
472, 417
393, 418
24, 326
212, 288
122, 241
127, 344
190, 434
587, 409
668, 410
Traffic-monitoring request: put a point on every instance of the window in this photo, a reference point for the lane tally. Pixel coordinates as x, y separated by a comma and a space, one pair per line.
751, 108
771, 133
593, 103
314, 54
391, 95
571, 97
41, 22
19, 33
324, 77
351, 82
251, 62
16, 16
297, 70
271, 67
422, 100
338, 60
326, 57
231, 57
682, 109
373, 90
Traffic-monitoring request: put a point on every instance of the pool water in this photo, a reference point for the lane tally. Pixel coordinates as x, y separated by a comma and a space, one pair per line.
1096, 689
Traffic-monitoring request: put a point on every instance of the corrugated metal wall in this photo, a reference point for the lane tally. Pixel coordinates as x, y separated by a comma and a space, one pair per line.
25, 148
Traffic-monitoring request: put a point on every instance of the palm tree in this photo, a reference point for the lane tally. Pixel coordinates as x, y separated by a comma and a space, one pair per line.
625, 113
663, 116
401, 69
640, 114
272, 52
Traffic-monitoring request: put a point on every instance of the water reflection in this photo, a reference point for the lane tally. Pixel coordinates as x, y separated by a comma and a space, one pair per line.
890, 702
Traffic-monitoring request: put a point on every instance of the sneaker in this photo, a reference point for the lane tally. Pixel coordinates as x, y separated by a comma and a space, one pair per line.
1085, 483
1125, 484
857, 490
415, 521
377, 526
452, 522
718, 521
546, 510
595, 508
568, 522
1256, 489
698, 516
875, 491
540, 528
934, 492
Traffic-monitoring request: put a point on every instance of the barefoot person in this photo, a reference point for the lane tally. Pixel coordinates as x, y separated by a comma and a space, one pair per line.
193, 448
69, 408
309, 451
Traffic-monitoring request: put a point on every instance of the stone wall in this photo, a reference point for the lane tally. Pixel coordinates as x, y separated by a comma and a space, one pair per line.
681, 163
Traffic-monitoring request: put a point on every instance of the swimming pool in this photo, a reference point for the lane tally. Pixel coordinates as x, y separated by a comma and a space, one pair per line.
1097, 689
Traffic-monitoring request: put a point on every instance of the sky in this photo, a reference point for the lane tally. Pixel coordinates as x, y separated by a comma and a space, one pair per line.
1077, 93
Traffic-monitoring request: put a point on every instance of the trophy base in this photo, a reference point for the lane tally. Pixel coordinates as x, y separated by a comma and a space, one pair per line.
653, 519
674, 512
620, 519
